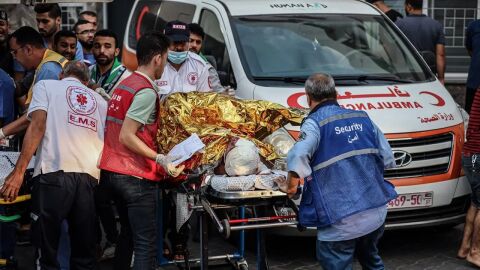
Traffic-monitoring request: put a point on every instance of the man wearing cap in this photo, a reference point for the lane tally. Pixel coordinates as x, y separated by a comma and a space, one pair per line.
185, 72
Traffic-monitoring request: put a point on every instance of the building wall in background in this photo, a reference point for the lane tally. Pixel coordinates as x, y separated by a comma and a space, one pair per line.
455, 17
21, 15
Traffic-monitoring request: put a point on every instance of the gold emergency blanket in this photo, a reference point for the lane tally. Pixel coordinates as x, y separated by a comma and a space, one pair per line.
217, 118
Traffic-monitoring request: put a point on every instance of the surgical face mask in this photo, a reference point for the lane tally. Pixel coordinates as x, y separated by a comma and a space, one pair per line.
177, 57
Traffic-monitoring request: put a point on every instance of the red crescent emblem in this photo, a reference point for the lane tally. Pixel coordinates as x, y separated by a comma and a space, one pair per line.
292, 100
440, 101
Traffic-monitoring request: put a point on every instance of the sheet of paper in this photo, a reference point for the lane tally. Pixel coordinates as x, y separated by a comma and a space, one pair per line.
186, 149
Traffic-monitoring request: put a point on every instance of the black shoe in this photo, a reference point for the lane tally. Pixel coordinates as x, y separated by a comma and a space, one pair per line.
23, 237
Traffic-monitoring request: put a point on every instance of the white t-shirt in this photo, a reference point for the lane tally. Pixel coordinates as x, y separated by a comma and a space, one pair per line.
75, 126
192, 76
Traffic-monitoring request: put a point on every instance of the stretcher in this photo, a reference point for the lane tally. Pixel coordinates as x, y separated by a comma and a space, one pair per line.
253, 210
12, 211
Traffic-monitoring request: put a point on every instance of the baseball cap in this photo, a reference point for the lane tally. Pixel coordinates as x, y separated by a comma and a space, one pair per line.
177, 31
3, 15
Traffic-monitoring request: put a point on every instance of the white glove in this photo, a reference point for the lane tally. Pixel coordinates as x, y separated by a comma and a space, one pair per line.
229, 91
2, 135
167, 163
102, 93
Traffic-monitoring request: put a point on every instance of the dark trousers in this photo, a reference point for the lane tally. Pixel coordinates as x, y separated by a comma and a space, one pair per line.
62, 196
8, 232
136, 201
338, 255
469, 95
105, 212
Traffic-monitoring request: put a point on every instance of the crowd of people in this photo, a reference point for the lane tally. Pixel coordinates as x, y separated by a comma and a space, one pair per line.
47, 76
92, 126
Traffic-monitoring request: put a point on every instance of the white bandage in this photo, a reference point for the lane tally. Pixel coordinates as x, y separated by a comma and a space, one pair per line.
2, 135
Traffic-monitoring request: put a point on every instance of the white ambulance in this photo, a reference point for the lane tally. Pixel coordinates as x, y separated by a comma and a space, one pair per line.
265, 49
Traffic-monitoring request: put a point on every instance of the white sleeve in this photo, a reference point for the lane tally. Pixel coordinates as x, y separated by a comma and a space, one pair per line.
39, 99
203, 85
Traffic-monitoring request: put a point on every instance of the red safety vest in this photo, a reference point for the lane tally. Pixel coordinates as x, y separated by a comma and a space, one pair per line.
118, 158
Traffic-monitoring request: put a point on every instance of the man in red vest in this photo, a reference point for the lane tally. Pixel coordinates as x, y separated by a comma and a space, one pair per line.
130, 159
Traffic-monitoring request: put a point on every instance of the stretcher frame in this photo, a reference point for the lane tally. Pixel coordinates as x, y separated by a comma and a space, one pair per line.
207, 201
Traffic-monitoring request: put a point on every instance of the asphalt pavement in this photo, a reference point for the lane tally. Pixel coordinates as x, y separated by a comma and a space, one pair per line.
427, 248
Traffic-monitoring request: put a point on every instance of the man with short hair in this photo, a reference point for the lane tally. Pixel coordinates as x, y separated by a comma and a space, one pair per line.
85, 32
185, 72
392, 14
130, 162
26, 46
108, 71
105, 76
425, 33
65, 43
66, 132
197, 36
89, 16
341, 155
49, 19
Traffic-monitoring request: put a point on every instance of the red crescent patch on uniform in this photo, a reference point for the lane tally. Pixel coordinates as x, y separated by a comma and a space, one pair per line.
192, 78
210, 81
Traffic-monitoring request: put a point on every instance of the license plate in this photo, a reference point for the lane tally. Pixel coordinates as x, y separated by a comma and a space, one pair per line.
412, 200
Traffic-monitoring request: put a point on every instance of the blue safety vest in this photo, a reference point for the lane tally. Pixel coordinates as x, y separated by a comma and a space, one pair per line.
347, 170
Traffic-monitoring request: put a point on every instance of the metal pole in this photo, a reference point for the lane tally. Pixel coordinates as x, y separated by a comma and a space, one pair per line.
241, 237
262, 226
203, 241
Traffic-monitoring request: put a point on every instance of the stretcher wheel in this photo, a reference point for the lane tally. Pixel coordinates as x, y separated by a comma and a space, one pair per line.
226, 228
242, 265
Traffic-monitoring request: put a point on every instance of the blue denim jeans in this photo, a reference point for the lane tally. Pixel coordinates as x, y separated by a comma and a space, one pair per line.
473, 176
136, 201
338, 255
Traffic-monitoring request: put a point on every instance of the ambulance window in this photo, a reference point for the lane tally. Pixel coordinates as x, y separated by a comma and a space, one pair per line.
171, 11
143, 19
214, 43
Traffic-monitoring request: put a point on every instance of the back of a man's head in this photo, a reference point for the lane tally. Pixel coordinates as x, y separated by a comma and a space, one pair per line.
416, 4
149, 45
76, 69
53, 10
320, 86
26, 35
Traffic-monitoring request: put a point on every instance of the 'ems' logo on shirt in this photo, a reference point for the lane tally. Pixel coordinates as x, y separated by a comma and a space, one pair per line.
82, 121
81, 101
